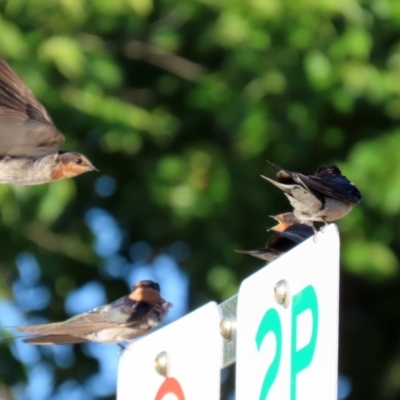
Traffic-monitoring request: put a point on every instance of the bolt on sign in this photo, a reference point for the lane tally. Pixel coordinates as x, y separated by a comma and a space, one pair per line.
180, 362
287, 337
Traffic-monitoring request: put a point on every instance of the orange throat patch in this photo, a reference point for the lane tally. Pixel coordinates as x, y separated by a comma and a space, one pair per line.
147, 295
63, 171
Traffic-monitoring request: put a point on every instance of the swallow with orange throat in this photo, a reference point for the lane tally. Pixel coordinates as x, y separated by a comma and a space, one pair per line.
123, 320
29, 141
324, 197
290, 227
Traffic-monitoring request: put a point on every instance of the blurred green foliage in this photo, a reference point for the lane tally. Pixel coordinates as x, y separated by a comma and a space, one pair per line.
182, 102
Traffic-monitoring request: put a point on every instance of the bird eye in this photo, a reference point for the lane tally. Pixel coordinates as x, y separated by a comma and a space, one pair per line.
78, 161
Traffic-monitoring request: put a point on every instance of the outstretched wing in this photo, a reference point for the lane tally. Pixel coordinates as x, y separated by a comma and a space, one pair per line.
26, 129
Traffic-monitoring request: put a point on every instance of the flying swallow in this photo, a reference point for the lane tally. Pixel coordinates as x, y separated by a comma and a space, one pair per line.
29, 141
324, 197
123, 320
287, 234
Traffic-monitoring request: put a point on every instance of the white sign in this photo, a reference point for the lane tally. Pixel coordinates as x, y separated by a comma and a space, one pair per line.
193, 347
289, 352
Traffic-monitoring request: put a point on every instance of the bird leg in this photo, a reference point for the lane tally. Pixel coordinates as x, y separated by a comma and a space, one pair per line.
311, 224
326, 224
122, 348
315, 233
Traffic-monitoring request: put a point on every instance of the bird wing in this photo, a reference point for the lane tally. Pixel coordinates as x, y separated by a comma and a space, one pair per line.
16, 95
80, 325
264, 253
284, 175
286, 188
25, 126
280, 168
297, 233
123, 312
280, 243
303, 200
337, 188
55, 339
28, 139
127, 311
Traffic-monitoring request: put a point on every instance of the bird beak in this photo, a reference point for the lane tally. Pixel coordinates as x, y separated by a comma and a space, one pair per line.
272, 227
94, 169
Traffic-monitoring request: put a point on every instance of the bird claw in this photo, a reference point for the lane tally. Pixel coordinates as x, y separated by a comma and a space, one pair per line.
325, 226
315, 233
122, 348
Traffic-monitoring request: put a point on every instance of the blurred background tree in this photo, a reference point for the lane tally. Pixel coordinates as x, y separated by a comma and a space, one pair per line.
179, 103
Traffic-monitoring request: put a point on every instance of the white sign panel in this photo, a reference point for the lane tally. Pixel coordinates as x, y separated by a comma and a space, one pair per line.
289, 352
193, 347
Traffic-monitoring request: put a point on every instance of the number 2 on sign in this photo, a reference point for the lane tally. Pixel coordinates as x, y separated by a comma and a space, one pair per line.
305, 300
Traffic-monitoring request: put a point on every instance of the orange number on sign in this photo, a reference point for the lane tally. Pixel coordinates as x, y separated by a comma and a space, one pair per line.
170, 385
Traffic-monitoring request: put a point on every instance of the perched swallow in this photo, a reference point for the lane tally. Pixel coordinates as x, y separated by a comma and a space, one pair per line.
288, 234
324, 197
125, 319
29, 142
291, 228
285, 220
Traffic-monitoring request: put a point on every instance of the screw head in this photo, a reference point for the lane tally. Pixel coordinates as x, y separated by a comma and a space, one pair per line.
282, 293
161, 363
227, 327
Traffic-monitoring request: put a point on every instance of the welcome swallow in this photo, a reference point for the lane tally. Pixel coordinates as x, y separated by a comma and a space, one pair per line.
291, 227
29, 141
324, 197
123, 320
